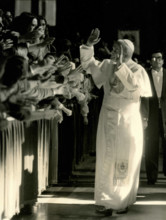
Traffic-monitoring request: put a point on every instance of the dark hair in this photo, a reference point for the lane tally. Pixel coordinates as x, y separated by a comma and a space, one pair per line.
156, 50
39, 18
21, 23
13, 70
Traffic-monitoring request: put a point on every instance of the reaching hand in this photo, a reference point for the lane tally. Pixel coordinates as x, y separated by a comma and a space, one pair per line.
76, 74
7, 44
64, 69
94, 37
47, 41
61, 60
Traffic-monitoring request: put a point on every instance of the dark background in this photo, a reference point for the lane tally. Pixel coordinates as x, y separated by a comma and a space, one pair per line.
147, 16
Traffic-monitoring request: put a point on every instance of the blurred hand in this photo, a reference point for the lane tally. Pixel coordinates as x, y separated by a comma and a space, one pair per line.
29, 37
76, 74
7, 44
60, 61
64, 69
47, 41
62, 90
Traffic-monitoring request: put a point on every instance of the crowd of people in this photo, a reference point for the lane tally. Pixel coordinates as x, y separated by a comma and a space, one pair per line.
37, 71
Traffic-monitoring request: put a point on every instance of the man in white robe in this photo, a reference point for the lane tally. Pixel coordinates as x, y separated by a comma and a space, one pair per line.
119, 142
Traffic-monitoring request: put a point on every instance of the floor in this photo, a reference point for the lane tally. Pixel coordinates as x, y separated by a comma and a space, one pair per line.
77, 202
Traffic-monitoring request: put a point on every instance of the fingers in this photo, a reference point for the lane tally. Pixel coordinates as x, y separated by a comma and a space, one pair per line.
95, 32
60, 59
94, 37
79, 68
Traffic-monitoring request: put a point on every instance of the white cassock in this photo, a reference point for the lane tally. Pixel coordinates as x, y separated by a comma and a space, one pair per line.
119, 142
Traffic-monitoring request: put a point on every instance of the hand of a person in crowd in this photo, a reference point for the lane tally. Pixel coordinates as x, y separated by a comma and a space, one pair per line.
64, 69
76, 74
49, 60
48, 75
49, 72
47, 41
28, 37
60, 61
62, 90
22, 100
29, 100
94, 37
7, 44
15, 34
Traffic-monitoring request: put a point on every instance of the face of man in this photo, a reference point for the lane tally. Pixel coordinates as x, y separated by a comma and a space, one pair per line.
115, 53
157, 61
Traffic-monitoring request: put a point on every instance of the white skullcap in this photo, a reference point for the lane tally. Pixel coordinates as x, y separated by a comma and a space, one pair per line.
129, 44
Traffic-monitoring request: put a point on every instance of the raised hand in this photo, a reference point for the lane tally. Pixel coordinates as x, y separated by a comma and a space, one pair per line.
94, 37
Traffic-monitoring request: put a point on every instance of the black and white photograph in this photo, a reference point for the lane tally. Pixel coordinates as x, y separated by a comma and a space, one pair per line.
82, 110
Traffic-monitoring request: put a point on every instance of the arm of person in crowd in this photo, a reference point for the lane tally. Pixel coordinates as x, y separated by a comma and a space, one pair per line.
43, 93
58, 105
35, 46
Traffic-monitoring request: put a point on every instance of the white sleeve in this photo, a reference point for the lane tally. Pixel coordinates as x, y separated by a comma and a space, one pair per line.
87, 57
138, 80
127, 77
96, 68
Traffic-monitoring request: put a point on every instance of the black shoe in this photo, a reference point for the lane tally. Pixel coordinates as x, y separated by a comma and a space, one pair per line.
150, 182
104, 211
122, 211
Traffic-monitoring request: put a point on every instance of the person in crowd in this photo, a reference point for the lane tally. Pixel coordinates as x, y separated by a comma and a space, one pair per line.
119, 142
33, 76
43, 23
155, 115
7, 19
